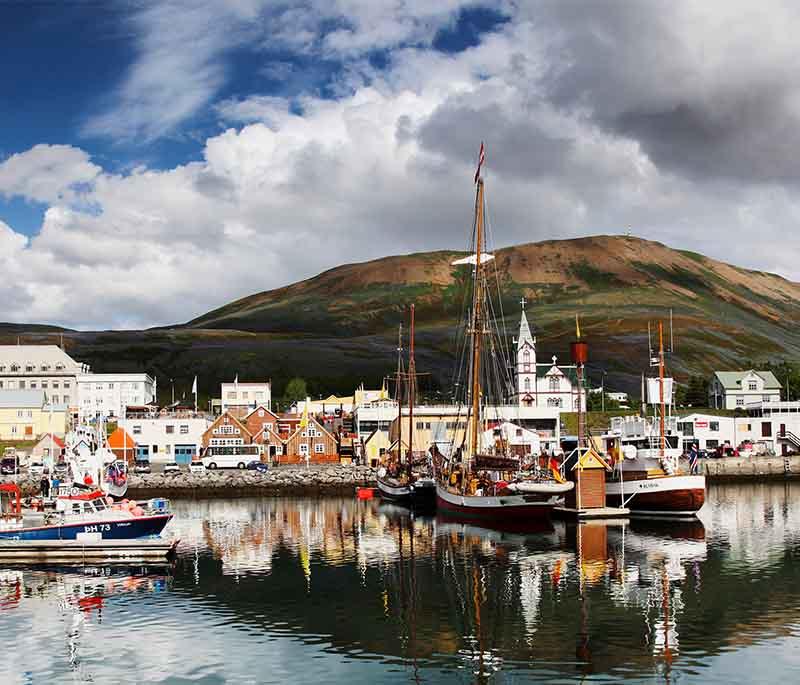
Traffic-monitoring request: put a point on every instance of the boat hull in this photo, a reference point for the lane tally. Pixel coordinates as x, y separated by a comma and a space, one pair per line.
423, 494
395, 493
669, 495
495, 508
120, 529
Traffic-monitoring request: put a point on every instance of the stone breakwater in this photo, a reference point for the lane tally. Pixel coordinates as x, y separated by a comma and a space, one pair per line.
751, 468
281, 481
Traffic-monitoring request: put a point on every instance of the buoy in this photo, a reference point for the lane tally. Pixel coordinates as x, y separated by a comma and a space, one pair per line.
365, 493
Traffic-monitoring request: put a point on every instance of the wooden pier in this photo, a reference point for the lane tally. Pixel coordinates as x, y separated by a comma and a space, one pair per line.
595, 513
139, 551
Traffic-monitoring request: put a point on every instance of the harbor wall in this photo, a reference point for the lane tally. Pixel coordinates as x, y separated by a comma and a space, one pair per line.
750, 468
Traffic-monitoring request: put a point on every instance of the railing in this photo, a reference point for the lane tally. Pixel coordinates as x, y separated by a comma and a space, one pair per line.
791, 437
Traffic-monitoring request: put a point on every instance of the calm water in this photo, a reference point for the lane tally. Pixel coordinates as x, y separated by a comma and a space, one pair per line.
304, 590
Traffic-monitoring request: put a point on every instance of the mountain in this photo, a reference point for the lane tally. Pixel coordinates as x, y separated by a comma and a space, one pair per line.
339, 327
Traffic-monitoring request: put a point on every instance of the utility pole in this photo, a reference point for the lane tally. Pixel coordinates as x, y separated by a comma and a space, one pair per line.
172, 382
603, 392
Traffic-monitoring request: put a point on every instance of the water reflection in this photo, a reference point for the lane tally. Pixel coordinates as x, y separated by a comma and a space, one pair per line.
340, 588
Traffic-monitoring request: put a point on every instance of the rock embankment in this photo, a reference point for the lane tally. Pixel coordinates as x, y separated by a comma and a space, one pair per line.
279, 481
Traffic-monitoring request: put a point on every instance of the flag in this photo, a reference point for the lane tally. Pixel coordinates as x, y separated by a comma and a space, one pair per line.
481, 160
194, 386
577, 327
304, 418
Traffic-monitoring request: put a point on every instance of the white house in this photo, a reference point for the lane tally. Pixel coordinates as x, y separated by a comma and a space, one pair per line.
166, 437
242, 398
738, 389
41, 367
544, 385
510, 436
107, 394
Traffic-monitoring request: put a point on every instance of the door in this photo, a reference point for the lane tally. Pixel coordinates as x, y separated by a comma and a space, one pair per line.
184, 453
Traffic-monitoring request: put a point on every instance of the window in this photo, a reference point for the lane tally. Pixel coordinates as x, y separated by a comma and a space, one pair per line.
55, 399
261, 412
55, 385
29, 368
711, 444
20, 413
713, 426
137, 430
14, 368
155, 449
686, 427
44, 385
527, 384
553, 401
266, 426
167, 448
231, 395
184, 429
110, 386
13, 430
303, 448
22, 385
278, 449
420, 425
319, 448
766, 429
752, 385
554, 384
765, 398
170, 429
33, 385
59, 367
259, 395
740, 401
245, 395
98, 386
45, 367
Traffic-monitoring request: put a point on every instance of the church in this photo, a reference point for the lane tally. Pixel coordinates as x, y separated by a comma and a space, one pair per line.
544, 385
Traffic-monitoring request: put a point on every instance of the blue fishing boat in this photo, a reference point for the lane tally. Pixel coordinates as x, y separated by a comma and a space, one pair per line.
85, 512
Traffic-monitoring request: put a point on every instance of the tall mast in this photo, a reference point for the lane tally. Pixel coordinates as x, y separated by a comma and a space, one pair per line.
412, 389
399, 387
661, 385
477, 323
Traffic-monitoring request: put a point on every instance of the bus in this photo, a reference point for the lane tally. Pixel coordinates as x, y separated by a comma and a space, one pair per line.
230, 456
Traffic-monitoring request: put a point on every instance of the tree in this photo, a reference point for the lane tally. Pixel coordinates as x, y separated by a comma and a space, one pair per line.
295, 390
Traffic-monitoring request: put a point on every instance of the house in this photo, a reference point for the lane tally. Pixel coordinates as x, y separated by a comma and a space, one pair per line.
738, 389
515, 439
228, 435
327, 405
242, 398
375, 447
310, 443
108, 394
25, 415
544, 385
122, 445
260, 418
41, 367
49, 445
162, 436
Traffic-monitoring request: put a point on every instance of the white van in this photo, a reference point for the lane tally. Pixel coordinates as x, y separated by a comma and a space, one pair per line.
237, 457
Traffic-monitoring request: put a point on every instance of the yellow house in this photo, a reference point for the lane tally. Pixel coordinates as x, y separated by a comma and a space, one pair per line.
375, 446
25, 415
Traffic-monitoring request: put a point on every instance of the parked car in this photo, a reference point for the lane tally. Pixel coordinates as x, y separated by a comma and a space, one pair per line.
171, 467
9, 466
141, 466
257, 466
196, 467
36, 468
705, 454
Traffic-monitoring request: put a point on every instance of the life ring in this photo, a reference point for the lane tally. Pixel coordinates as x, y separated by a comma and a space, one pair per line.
74, 491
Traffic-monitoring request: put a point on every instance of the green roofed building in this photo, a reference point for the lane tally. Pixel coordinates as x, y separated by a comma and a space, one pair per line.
740, 389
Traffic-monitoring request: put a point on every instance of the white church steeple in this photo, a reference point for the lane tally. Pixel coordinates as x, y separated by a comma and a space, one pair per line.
526, 361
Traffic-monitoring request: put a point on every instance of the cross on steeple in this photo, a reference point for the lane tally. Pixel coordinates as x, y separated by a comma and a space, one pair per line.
523, 301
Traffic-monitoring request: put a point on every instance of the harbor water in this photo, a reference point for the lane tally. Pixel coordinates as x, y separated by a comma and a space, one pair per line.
317, 590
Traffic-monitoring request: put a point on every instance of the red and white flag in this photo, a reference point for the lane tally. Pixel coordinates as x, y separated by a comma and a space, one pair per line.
481, 160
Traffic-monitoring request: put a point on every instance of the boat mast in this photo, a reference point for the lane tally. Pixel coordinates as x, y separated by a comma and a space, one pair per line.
477, 323
399, 387
412, 389
662, 421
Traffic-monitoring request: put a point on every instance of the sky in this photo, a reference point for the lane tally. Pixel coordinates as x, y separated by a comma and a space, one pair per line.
158, 160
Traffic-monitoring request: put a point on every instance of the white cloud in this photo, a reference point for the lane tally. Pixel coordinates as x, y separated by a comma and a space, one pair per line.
387, 169
47, 173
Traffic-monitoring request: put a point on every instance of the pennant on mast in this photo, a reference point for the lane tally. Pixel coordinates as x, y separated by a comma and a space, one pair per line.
481, 160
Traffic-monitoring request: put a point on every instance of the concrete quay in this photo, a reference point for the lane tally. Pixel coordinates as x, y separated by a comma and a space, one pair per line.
728, 469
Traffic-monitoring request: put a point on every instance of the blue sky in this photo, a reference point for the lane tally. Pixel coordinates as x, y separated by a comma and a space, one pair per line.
147, 148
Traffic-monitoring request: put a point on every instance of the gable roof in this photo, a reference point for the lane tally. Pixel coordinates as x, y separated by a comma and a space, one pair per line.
220, 420
121, 439
311, 419
56, 440
260, 406
732, 380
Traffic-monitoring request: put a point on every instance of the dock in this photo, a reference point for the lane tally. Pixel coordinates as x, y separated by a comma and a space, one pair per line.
591, 514
149, 551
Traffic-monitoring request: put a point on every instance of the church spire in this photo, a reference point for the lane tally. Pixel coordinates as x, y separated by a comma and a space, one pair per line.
524, 330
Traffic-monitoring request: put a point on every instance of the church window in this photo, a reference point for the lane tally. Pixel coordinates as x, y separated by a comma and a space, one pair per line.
554, 384
527, 384
553, 401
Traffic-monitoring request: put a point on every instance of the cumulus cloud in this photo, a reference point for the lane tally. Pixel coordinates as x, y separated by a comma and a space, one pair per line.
47, 173
613, 118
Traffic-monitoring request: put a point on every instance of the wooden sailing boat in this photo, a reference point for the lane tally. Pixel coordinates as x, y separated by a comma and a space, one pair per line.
402, 480
649, 479
474, 481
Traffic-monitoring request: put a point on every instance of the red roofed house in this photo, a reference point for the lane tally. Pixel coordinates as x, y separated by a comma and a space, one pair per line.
48, 441
122, 445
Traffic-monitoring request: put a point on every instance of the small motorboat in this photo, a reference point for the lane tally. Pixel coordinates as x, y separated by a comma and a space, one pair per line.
78, 513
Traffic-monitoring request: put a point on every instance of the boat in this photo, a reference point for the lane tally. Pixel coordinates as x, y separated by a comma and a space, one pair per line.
474, 480
84, 514
407, 480
648, 477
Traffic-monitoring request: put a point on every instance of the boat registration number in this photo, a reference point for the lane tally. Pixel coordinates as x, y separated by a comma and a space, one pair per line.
98, 528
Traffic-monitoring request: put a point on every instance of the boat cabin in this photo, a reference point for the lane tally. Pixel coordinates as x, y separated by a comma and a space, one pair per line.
93, 503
